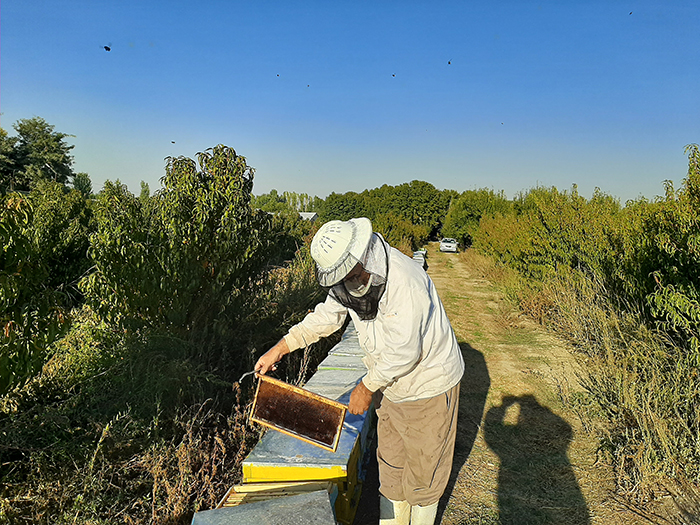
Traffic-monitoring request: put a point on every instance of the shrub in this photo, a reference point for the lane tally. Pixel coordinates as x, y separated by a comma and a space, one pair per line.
672, 251
465, 213
133, 417
400, 233
60, 229
143, 426
31, 313
188, 258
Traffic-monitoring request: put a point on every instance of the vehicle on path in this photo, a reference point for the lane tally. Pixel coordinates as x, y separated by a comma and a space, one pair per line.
448, 245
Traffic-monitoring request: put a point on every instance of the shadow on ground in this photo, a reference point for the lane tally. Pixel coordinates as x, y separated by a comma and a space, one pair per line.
536, 483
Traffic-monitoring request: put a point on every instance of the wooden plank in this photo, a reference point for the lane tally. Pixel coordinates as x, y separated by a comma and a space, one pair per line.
299, 486
251, 492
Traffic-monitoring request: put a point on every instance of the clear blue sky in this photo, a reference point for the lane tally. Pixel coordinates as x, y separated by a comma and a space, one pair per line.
349, 95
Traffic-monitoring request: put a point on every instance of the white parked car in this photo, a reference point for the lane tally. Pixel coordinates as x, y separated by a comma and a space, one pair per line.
448, 245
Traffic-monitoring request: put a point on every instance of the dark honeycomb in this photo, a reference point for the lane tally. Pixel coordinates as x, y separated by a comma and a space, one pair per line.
298, 414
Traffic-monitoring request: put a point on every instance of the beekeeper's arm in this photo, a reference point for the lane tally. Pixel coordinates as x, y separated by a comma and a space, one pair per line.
326, 318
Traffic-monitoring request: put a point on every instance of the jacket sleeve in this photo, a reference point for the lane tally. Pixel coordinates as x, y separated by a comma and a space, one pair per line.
401, 337
325, 319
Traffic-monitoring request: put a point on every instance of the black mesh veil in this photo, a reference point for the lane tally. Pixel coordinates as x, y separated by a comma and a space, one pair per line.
374, 261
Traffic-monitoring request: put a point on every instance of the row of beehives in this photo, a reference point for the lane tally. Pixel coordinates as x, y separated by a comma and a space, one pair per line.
281, 465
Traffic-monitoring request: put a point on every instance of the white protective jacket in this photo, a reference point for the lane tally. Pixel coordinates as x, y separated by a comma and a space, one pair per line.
411, 351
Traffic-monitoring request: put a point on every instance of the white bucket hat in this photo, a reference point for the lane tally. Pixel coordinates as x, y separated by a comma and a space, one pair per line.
338, 246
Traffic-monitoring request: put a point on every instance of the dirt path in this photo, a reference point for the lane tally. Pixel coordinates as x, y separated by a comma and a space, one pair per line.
526, 452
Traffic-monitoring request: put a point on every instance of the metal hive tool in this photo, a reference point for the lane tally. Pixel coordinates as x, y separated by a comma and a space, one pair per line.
298, 413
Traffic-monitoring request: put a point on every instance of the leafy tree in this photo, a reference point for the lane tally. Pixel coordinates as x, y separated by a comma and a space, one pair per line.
38, 152
82, 183
271, 202
417, 203
124, 251
303, 201
191, 258
344, 206
289, 201
145, 191
671, 251
60, 230
30, 317
317, 204
465, 213
399, 232
7, 161
41, 153
44, 239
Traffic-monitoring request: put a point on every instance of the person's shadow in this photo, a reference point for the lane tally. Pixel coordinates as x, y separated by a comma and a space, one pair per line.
473, 390
536, 483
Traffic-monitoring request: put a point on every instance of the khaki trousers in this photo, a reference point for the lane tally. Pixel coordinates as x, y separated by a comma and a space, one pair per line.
415, 445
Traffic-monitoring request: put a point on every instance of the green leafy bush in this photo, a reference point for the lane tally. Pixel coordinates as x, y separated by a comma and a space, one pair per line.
60, 229
188, 257
142, 425
400, 233
133, 418
672, 250
31, 316
466, 212
555, 229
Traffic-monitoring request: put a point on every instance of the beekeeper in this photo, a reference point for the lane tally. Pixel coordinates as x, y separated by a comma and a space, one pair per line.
414, 364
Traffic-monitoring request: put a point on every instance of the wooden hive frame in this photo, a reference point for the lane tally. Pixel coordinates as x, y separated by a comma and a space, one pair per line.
298, 413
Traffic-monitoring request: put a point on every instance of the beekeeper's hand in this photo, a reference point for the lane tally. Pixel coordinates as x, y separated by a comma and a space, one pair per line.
269, 360
360, 399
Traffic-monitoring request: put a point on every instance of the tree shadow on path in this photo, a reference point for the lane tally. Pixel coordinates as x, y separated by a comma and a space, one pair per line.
473, 390
536, 483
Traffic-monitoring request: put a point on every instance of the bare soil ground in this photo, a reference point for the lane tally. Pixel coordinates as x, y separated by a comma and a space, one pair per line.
526, 450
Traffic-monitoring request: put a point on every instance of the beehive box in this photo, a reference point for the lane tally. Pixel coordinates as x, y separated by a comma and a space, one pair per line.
282, 458
299, 509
